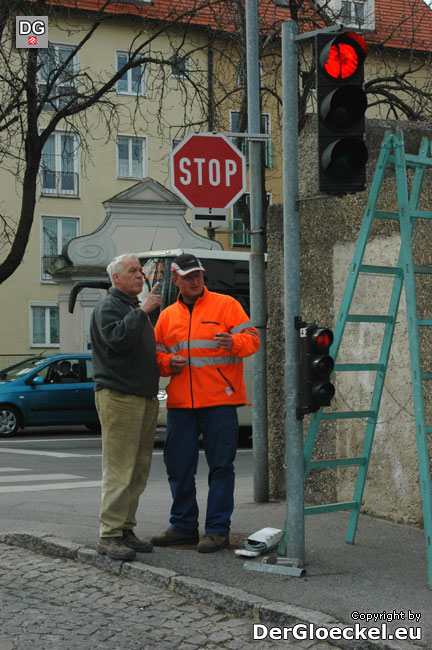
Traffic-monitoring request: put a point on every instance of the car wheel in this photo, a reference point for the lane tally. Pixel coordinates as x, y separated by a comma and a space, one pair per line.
9, 421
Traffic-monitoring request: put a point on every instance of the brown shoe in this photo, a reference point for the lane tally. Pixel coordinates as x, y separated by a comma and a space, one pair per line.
136, 544
171, 538
211, 543
115, 548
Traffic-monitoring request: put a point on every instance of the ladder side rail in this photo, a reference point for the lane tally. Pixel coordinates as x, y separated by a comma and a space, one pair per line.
384, 356
362, 241
351, 282
415, 359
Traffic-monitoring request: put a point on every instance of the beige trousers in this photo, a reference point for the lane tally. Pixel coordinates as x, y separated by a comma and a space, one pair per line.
128, 428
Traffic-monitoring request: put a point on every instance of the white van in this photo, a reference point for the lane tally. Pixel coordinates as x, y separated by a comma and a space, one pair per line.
225, 272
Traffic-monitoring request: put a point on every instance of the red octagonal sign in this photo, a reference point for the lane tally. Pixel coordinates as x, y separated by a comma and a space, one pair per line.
207, 171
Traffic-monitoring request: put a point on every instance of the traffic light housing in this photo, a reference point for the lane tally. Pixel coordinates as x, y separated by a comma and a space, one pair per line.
316, 366
341, 108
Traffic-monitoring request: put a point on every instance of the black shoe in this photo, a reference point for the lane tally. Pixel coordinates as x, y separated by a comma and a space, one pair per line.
133, 542
172, 538
115, 548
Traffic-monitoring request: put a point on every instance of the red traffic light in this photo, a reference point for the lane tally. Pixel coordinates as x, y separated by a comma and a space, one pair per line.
341, 108
316, 366
342, 61
343, 56
322, 339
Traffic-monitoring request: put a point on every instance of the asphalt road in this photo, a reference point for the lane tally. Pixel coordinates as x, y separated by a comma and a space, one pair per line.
50, 483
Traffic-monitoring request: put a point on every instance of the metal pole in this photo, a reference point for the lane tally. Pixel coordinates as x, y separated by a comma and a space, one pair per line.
293, 542
257, 264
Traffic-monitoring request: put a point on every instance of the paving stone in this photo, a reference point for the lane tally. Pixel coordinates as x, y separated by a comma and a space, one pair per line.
48, 602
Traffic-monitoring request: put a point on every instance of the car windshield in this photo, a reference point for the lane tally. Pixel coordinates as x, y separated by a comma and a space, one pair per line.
21, 368
223, 276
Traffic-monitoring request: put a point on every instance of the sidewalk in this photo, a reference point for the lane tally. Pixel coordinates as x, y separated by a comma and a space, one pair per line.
383, 573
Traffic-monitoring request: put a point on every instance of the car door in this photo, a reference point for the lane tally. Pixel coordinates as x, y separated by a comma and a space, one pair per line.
85, 389
59, 398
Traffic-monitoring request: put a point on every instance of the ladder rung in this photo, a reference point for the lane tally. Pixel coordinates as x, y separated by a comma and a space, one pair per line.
345, 415
380, 270
417, 214
424, 321
421, 214
369, 318
336, 462
428, 430
414, 160
381, 214
423, 270
330, 507
426, 375
359, 366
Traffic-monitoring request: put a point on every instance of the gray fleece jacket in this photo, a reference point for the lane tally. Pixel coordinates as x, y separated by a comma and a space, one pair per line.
123, 346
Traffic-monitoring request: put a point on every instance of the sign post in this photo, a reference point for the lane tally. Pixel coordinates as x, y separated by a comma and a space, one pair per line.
209, 173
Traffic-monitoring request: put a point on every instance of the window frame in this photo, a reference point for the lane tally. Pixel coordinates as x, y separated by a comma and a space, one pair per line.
246, 236
265, 120
130, 139
55, 104
47, 305
46, 278
57, 171
130, 92
352, 19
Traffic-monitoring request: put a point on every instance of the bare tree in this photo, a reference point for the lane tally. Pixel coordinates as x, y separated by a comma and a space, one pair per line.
35, 85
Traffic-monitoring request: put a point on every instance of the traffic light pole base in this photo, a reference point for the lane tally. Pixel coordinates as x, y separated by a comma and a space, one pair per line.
276, 564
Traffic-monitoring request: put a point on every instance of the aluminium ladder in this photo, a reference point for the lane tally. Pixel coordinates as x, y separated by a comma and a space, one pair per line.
392, 154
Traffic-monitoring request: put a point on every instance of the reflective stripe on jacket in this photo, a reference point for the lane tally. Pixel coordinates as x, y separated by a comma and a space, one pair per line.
213, 376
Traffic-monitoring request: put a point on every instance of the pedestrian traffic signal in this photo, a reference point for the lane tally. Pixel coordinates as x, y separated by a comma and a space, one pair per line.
341, 107
316, 366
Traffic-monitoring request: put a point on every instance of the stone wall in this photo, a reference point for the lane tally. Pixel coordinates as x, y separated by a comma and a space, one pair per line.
329, 229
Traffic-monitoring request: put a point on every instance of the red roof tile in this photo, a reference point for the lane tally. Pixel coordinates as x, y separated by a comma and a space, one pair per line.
401, 24
212, 13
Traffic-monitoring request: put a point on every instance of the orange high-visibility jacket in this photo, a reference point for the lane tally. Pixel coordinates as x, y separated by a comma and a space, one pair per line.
213, 376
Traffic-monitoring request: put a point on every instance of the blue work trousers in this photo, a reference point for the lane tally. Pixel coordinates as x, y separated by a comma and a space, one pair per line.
219, 426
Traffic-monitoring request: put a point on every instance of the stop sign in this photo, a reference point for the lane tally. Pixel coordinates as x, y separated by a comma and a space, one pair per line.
207, 171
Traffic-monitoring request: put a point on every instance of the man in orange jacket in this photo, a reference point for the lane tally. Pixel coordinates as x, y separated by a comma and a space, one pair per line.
200, 343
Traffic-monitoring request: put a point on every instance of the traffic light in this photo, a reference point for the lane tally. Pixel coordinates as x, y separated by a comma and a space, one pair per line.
316, 366
341, 107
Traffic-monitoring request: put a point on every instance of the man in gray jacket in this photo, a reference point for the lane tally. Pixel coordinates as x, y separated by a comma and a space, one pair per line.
126, 385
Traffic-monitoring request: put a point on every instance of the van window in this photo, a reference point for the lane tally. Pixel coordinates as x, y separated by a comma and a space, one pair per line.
223, 276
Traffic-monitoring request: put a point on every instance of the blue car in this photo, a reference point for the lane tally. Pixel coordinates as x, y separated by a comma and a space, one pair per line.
48, 390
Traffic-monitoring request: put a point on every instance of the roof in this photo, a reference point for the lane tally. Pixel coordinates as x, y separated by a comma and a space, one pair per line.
199, 252
401, 24
210, 13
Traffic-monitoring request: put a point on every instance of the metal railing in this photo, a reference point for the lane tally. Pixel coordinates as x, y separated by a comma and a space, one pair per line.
58, 183
9, 359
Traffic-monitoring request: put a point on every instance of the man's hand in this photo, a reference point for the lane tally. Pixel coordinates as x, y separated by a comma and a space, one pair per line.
153, 300
177, 363
225, 340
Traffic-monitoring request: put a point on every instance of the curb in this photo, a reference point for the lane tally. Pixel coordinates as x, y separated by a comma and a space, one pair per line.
229, 599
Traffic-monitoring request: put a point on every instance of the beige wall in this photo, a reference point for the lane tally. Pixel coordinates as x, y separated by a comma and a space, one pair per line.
328, 233
98, 175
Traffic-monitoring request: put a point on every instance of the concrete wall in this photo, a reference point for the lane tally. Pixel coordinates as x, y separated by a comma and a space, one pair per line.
329, 229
